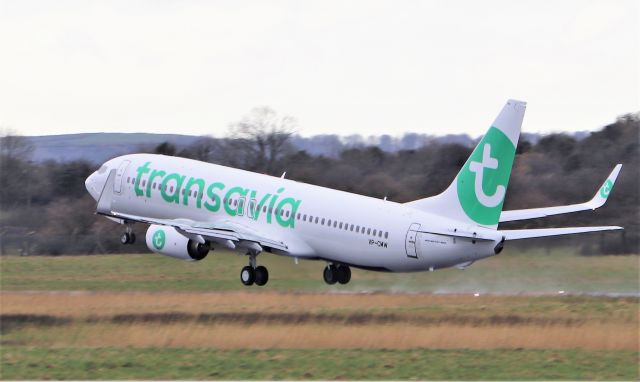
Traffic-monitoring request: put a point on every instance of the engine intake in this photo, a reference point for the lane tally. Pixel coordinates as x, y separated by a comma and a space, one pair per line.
169, 242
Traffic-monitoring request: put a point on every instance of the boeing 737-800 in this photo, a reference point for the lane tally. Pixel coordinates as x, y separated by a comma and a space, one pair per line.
194, 207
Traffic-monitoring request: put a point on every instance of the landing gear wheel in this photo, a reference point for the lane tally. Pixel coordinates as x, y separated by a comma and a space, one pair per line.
247, 275
344, 274
330, 274
261, 275
132, 238
125, 238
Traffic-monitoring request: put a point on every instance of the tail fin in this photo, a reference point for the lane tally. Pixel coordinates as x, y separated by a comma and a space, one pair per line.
477, 193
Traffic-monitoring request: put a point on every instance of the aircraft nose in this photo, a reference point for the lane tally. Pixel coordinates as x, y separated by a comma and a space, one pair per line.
94, 183
89, 183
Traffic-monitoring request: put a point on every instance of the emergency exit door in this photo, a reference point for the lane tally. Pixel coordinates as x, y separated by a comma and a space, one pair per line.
410, 241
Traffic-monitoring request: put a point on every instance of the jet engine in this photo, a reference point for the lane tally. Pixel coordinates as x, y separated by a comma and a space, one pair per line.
169, 242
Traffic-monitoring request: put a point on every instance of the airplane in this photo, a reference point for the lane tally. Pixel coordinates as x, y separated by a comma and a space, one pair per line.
193, 207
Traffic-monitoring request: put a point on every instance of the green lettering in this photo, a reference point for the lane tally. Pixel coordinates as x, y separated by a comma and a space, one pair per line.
165, 189
271, 204
200, 183
214, 197
258, 208
141, 170
154, 174
235, 190
289, 221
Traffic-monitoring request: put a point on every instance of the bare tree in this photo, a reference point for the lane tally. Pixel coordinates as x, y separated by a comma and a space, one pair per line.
17, 174
14, 146
261, 138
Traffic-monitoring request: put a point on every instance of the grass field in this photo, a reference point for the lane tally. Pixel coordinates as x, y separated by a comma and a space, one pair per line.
511, 272
325, 364
147, 317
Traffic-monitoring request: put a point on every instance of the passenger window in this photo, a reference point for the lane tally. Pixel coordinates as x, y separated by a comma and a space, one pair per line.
316, 220
288, 213
171, 189
368, 231
380, 234
329, 222
386, 235
340, 225
357, 228
374, 232
143, 183
335, 224
322, 222
351, 228
264, 209
183, 191
235, 202
298, 216
304, 218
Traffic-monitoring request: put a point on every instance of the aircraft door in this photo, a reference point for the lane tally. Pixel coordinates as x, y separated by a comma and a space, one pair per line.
410, 241
251, 210
240, 207
117, 182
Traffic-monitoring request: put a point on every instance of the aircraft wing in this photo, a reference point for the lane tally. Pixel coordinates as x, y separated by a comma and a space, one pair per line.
221, 231
517, 234
597, 201
211, 231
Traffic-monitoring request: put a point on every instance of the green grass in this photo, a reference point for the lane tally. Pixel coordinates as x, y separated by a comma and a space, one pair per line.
510, 272
172, 363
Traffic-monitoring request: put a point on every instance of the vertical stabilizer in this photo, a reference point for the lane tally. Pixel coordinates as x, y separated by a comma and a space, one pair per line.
477, 193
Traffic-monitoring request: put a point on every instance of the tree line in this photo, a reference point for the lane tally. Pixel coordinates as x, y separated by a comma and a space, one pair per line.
45, 208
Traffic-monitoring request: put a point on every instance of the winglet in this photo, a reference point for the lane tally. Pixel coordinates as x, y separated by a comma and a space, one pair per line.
603, 192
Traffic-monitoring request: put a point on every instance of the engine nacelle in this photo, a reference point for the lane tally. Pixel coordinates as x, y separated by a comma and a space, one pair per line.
169, 242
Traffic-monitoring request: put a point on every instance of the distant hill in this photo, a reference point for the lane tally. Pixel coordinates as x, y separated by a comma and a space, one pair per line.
99, 147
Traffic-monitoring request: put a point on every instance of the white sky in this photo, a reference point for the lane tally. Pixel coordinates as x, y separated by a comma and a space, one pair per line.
367, 67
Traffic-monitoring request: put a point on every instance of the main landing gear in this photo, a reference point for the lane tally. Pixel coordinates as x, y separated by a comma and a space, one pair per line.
337, 274
252, 274
128, 237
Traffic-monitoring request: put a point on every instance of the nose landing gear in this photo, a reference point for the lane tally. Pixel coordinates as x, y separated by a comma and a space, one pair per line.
128, 237
337, 274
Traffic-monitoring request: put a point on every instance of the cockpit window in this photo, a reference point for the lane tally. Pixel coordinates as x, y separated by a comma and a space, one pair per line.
102, 170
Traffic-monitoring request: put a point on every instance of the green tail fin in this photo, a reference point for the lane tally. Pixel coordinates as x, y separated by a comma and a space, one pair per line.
477, 193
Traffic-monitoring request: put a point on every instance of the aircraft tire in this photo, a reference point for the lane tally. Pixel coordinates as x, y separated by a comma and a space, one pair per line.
125, 238
344, 274
330, 274
247, 276
132, 238
261, 275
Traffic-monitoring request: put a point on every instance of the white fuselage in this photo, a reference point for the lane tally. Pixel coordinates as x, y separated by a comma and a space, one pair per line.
315, 222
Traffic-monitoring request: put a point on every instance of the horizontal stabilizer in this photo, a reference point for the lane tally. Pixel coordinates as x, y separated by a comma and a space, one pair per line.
597, 201
518, 234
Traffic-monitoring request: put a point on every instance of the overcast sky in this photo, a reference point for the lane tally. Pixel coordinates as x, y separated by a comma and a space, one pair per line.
338, 67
